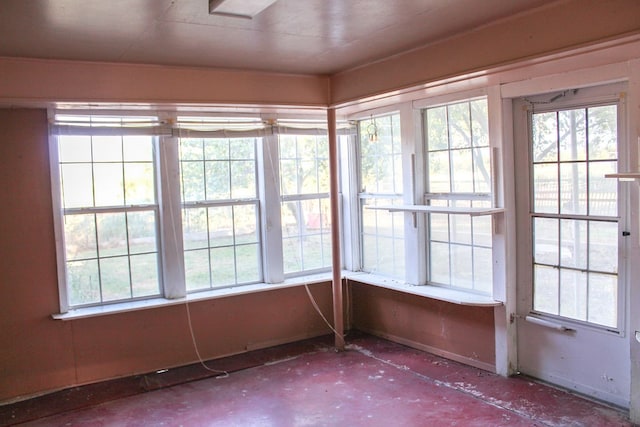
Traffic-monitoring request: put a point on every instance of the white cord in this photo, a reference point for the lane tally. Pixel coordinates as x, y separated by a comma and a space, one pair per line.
315, 305
225, 374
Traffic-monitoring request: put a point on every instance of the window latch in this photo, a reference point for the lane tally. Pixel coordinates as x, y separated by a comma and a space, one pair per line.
626, 233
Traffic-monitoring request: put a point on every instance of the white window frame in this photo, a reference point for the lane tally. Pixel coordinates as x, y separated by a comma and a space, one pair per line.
414, 182
300, 197
169, 207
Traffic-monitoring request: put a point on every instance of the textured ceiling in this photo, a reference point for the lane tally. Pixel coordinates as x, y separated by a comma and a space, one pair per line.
291, 36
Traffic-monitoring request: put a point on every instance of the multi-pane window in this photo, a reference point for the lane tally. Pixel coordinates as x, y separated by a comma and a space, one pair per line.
110, 211
380, 170
575, 214
305, 209
221, 235
459, 176
149, 208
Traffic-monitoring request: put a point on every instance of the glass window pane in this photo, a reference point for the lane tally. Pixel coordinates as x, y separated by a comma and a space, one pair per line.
546, 289
144, 275
483, 269
192, 181
112, 234
194, 228
114, 274
323, 175
573, 243
573, 188
289, 177
139, 183
482, 231
603, 246
459, 125
73, 148
439, 227
546, 239
545, 137
223, 266
137, 148
309, 177
242, 149
196, 267
107, 148
573, 294
482, 172
462, 171
460, 231
378, 154
287, 147
142, 232
221, 226
603, 299
108, 184
386, 256
218, 180
243, 179
191, 149
216, 149
292, 253
480, 122
248, 261
77, 185
439, 177
603, 132
83, 282
244, 224
439, 259
603, 192
80, 237
573, 136
436, 129
461, 266
545, 188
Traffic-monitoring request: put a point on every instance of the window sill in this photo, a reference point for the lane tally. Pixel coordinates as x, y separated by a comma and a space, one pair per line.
439, 209
434, 292
124, 307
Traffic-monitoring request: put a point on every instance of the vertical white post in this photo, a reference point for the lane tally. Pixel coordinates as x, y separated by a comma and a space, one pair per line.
633, 247
504, 282
170, 218
413, 181
338, 309
269, 188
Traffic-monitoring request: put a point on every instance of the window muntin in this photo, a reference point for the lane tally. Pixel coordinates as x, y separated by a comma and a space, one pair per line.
575, 214
110, 213
459, 175
305, 206
220, 220
207, 231
381, 183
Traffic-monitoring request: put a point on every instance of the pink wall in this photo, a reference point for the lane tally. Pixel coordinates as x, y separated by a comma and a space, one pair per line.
559, 27
462, 333
40, 354
38, 81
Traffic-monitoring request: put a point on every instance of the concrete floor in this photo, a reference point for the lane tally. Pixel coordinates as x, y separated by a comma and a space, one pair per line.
373, 383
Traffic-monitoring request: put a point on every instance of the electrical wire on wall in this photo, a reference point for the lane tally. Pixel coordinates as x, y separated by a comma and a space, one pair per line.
271, 124
224, 374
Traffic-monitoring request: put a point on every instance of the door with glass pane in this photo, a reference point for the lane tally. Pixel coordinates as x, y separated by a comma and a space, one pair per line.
571, 294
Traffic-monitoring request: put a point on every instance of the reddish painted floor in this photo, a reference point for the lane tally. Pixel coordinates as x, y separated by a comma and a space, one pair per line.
373, 383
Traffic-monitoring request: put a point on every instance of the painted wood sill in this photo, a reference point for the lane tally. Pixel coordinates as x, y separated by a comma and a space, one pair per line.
434, 292
124, 307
